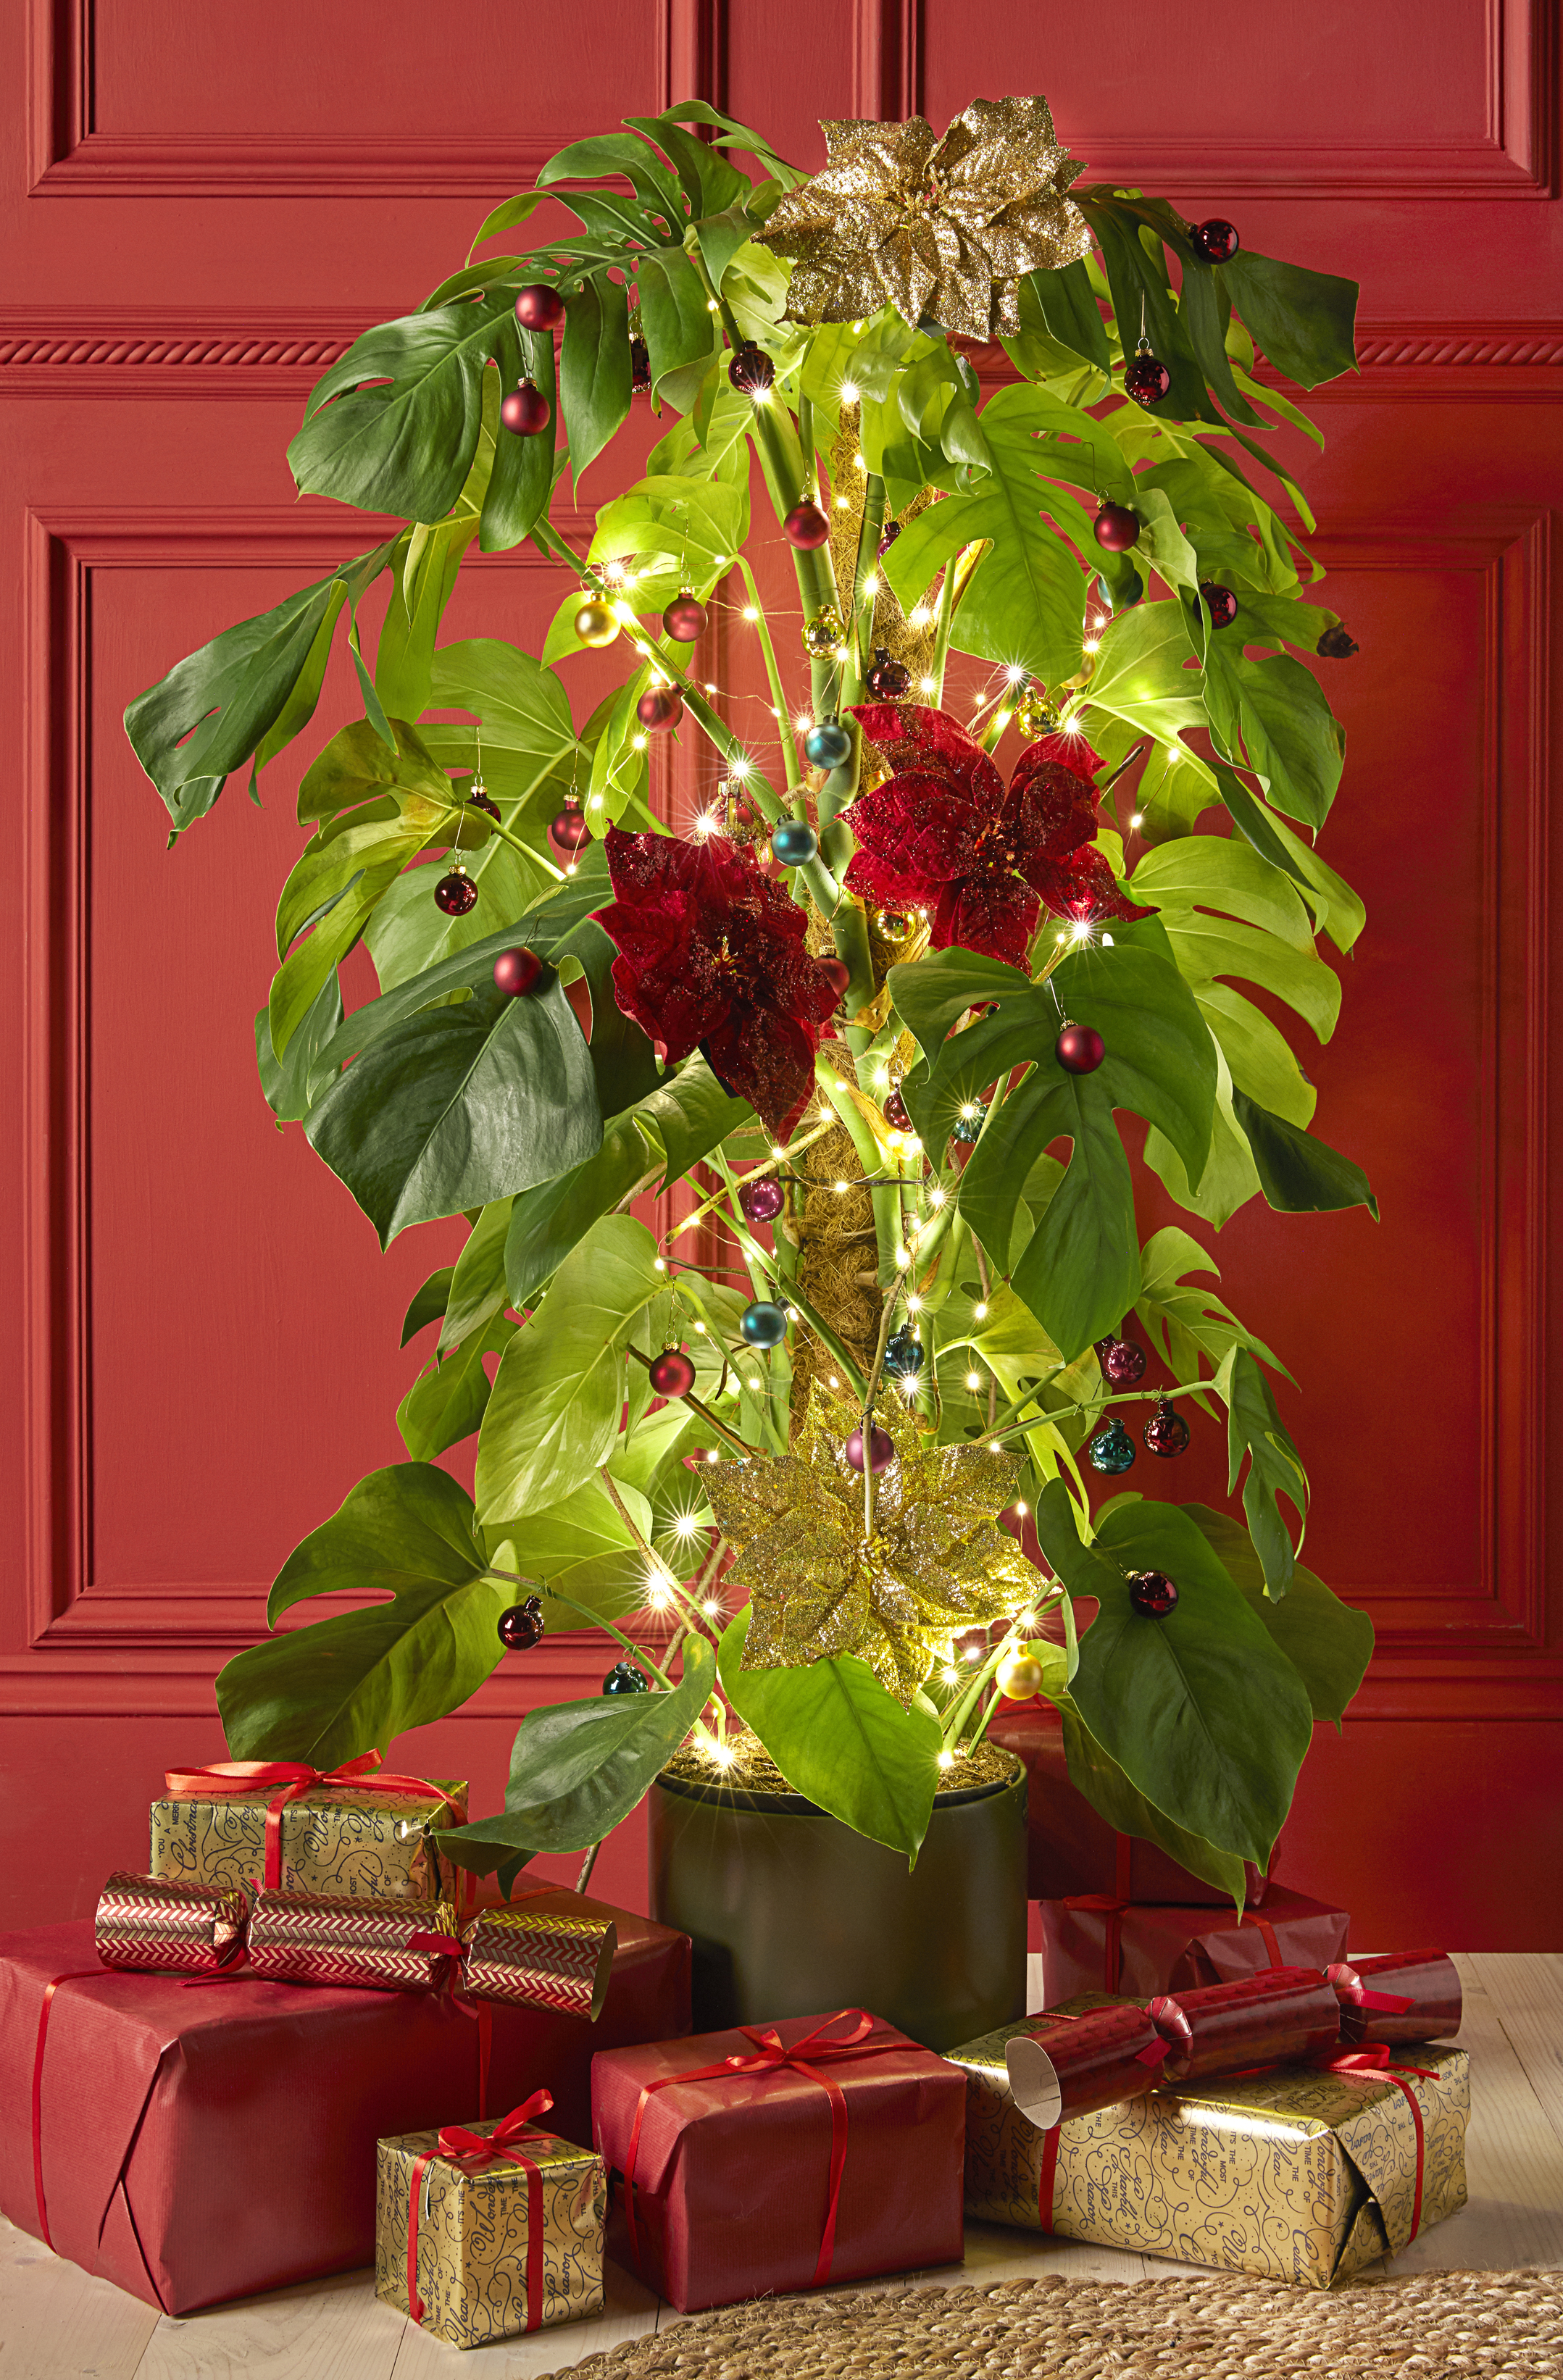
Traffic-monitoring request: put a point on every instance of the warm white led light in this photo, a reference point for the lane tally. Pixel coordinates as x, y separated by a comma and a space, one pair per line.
928, 684
848, 392
712, 1455
914, 1305
738, 767
686, 1525
920, 617
1014, 674
946, 1760
980, 1313
871, 584
974, 1380
1137, 821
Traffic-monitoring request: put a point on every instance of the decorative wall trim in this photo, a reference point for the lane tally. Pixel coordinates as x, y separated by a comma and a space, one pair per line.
1381, 345
887, 59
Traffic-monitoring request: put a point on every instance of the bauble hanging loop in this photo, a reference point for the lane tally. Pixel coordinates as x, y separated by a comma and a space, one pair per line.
539, 307
1152, 1592
1079, 1049
526, 411
522, 1627
685, 618
518, 972
1166, 1432
1216, 240
1115, 526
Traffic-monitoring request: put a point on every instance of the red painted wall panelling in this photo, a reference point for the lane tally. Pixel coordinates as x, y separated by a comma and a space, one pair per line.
194, 218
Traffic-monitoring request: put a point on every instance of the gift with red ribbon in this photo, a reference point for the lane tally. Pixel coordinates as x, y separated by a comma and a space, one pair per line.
137, 2109
782, 2157
359, 1831
1100, 1942
485, 2231
1398, 1995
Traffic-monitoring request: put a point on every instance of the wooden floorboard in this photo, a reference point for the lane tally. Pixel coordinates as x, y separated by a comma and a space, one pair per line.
60, 2324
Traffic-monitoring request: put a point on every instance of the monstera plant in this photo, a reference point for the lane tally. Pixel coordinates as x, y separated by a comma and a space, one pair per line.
970, 933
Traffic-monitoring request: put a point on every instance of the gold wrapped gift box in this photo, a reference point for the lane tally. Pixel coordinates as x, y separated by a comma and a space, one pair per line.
473, 2236
345, 1840
1292, 2174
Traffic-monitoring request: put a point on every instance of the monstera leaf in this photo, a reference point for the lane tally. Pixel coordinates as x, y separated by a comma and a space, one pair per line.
349, 1683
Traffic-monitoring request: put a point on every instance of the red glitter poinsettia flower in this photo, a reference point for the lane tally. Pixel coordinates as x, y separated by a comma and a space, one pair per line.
942, 834
711, 956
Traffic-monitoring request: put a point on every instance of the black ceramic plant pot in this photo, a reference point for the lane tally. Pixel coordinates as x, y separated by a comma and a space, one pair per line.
793, 1915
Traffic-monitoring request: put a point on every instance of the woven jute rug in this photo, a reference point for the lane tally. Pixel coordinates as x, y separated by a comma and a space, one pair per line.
1215, 2327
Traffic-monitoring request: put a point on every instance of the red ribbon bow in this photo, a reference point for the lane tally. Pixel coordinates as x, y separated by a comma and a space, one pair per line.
296, 1776
472, 2153
805, 2057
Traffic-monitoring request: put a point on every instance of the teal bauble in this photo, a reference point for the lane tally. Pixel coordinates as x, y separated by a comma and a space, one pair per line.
624, 1678
827, 745
1113, 1450
764, 1324
794, 842
903, 1356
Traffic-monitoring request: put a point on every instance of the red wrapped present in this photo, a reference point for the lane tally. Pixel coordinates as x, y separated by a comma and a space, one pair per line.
1072, 1849
1095, 1942
196, 2139
816, 2150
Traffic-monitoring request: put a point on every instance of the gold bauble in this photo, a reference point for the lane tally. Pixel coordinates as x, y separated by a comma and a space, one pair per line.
595, 623
1018, 1677
1034, 715
892, 925
823, 634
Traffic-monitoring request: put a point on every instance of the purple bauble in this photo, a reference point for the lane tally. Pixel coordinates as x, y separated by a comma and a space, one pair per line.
888, 680
762, 1201
660, 707
806, 527
1146, 379
1152, 1592
522, 1627
685, 618
1219, 601
882, 1451
1122, 1361
1166, 1432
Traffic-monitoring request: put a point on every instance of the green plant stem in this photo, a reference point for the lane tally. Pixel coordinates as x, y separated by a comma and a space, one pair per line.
778, 692
867, 567
1009, 1428
943, 620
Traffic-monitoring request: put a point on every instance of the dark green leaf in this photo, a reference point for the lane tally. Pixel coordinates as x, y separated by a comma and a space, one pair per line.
1299, 1174
477, 1289
245, 694
429, 1303
457, 1106
350, 1684
577, 1768
1140, 294
617, 153
1304, 322
594, 368
692, 1115
1202, 1710
839, 1737
1271, 715
546, 1222
293, 1084
623, 1062
358, 767
1328, 1643
1254, 1427
1097, 1775
676, 319
522, 477
1079, 1272
406, 448
1069, 308
709, 183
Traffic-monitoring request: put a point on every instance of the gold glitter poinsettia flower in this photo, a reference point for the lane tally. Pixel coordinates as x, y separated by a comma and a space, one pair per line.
938, 1560
942, 229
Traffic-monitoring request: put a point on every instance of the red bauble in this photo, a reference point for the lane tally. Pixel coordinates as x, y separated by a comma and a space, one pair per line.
1216, 240
1146, 379
481, 801
660, 707
1123, 1362
1152, 1592
568, 831
1219, 601
672, 1374
1079, 1049
685, 618
639, 367
456, 893
762, 1201
522, 1627
539, 307
516, 972
838, 973
807, 527
890, 532
895, 1112
750, 370
526, 411
1115, 526
1166, 1432
888, 680
881, 1453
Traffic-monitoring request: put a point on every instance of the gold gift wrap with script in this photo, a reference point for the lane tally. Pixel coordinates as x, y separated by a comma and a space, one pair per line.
339, 1840
1292, 2174
472, 2237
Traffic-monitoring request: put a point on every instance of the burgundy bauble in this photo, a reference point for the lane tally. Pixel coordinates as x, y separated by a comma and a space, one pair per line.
568, 831
485, 802
1219, 601
1079, 1049
1216, 240
1152, 1592
887, 536
660, 707
639, 367
807, 527
837, 973
672, 1374
522, 1627
750, 370
456, 893
685, 618
539, 307
1166, 1432
888, 680
517, 972
526, 411
895, 1112
1123, 1362
881, 1449
762, 1201
1146, 379
1336, 644
1115, 526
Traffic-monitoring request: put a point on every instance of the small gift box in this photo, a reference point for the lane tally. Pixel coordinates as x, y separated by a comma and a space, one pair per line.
1071, 1848
357, 1832
1094, 1942
819, 2149
1301, 2173
487, 2229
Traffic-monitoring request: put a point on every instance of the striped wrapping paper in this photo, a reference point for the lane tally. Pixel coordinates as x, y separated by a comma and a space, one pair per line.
304, 1937
145, 1921
541, 1958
